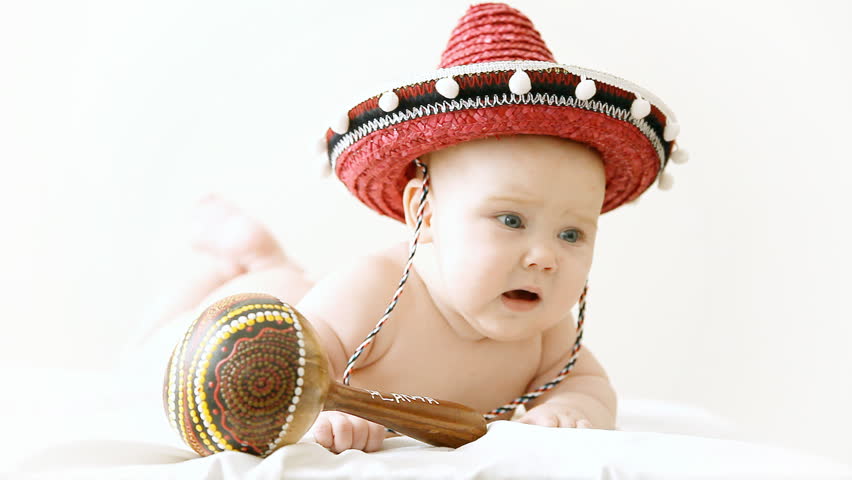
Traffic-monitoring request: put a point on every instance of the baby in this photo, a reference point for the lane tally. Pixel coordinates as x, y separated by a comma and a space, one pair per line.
485, 316
505, 233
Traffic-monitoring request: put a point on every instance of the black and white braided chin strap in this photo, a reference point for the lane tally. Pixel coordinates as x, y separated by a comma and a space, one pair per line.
347, 373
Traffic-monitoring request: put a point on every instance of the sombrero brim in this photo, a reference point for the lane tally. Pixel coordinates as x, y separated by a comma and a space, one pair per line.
373, 158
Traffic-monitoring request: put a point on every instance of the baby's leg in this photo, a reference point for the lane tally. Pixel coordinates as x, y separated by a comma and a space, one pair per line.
228, 252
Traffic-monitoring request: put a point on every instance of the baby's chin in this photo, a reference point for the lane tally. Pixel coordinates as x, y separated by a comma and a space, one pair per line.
505, 330
511, 328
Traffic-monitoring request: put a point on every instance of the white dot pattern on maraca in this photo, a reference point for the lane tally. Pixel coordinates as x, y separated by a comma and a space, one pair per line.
234, 381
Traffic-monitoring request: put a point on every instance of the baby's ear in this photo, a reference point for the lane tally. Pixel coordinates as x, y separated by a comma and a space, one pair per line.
411, 203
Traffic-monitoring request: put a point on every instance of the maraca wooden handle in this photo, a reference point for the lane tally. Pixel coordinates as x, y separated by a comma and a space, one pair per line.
436, 422
250, 375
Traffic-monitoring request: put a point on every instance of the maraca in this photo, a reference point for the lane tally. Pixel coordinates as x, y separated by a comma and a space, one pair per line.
251, 375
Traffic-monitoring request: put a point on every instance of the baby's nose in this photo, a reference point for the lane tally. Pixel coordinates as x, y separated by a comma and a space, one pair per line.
542, 267
540, 258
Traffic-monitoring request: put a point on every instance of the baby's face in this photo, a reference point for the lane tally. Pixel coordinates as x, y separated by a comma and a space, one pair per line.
513, 230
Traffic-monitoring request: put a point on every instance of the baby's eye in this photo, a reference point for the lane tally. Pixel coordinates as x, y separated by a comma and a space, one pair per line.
572, 235
510, 220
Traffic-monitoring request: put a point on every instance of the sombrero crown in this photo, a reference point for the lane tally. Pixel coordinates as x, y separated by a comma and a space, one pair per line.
497, 77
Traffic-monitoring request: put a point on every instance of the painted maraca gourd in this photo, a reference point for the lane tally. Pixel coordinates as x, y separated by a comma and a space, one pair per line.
251, 375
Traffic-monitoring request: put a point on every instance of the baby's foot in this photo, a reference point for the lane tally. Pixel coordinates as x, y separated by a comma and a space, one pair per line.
222, 230
225, 243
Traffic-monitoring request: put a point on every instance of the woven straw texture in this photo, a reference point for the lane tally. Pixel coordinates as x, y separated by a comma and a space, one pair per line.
491, 32
376, 167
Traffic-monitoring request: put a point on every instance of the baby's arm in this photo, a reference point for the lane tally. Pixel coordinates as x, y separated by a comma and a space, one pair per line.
584, 398
343, 308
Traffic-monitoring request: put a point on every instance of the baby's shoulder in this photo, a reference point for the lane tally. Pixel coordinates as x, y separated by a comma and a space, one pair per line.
361, 283
396, 254
350, 300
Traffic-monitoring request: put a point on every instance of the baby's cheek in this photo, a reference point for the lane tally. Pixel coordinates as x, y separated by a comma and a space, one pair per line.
473, 272
576, 274
478, 279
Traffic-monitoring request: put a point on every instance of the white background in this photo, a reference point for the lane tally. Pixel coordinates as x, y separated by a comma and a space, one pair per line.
729, 292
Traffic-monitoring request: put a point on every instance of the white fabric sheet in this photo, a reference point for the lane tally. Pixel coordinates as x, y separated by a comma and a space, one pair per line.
71, 424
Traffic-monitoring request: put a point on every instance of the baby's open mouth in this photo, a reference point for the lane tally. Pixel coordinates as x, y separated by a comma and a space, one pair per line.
520, 300
521, 295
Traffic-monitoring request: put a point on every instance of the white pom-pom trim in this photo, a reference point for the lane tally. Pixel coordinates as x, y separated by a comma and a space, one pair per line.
342, 125
520, 83
586, 89
447, 87
640, 108
666, 181
388, 101
680, 156
671, 131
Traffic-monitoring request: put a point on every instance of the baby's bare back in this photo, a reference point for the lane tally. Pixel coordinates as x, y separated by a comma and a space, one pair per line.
418, 353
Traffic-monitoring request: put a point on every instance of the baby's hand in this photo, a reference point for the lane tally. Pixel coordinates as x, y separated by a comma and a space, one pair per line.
556, 415
339, 431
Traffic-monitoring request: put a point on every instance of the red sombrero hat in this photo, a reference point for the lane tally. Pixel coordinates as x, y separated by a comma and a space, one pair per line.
497, 77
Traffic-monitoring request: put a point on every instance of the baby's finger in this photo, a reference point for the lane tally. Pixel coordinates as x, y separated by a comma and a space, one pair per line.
342, 431
322, 431
583, 423
360, 433
540, 419
566, 420
376, 435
